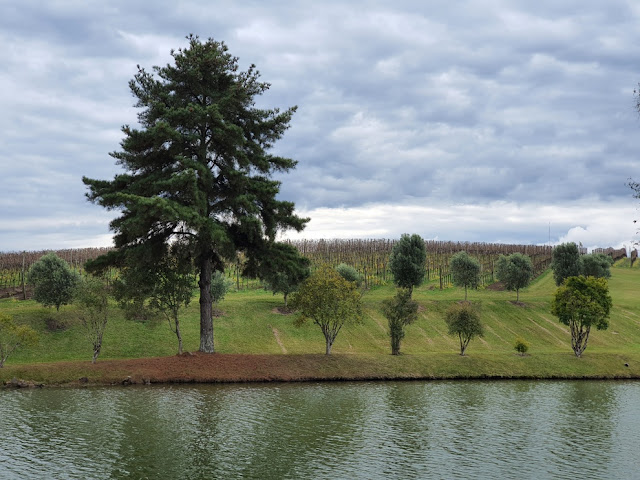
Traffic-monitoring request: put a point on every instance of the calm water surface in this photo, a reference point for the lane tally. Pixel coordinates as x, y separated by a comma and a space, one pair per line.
446, 430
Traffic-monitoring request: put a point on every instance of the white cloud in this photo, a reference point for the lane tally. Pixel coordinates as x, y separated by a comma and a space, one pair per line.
603, 225
480, 123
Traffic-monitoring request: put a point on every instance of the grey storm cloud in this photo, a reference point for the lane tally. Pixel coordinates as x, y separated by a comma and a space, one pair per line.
480, 103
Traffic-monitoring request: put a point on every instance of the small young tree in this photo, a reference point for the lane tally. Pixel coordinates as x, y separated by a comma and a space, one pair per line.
515, 271
580, 303
173, 290
407, 261
465, 271
220, 285
596, 265
14, 337
329, 301
400, 312
349, 273
463, 320
53, 280
92, 299
521, 346
283, 269
566, 262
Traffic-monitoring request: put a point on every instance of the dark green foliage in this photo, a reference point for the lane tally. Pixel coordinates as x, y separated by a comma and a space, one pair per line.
515, 272
92, 299
465, 271
463, 319
407, 261
53, 280
198, 168
521, 346
329, 301
596, 265
349, 273
580, 303
566, 262
283, 269
400, 312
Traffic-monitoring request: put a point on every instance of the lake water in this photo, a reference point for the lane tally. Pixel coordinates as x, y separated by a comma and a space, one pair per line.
448, 430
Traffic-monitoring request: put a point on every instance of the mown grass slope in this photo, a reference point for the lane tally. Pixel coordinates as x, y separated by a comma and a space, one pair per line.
251, 324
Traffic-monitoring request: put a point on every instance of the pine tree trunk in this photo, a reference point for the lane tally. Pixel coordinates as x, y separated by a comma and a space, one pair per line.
206, 309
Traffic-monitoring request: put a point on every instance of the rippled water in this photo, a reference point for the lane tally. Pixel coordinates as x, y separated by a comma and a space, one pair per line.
327, 430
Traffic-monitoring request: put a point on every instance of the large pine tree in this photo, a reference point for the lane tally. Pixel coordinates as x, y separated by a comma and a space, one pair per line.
198, 168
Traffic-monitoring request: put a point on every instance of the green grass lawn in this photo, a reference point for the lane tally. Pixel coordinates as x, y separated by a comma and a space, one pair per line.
251, 325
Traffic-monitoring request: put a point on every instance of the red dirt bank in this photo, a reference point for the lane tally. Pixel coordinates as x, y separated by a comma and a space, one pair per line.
197, 368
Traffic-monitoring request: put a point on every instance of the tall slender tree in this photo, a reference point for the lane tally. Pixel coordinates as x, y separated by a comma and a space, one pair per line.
407, 261
198, 168
465, 271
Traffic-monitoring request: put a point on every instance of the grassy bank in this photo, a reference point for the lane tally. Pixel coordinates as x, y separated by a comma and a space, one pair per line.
272, 348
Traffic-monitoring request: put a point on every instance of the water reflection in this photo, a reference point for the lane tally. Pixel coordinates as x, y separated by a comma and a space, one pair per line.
348, 430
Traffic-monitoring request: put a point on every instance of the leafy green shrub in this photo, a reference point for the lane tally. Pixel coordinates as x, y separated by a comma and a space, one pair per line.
53, 281
521, 346
465, 271
220, 285
463, 319
349, 273
400, 312
13, 337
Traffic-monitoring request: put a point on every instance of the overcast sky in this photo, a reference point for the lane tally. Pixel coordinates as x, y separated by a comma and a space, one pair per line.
493, 121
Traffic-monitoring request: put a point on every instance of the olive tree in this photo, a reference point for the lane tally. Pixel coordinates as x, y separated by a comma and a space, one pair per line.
566, 262
407, 261
92, 301
173, 289
463, 320
53, 280
400, 312
220, 285
581, 303
349, 273
596, 265
14, 337
515, 271
329, 301
465, 271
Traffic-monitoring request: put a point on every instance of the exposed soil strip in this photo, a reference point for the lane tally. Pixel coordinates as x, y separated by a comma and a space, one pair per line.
277, 335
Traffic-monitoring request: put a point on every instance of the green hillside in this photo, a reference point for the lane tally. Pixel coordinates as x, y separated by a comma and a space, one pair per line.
251, 324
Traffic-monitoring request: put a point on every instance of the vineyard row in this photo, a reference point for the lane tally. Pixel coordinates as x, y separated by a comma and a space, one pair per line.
369, 257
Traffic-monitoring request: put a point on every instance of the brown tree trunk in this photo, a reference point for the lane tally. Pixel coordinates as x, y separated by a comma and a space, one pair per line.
206, 309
